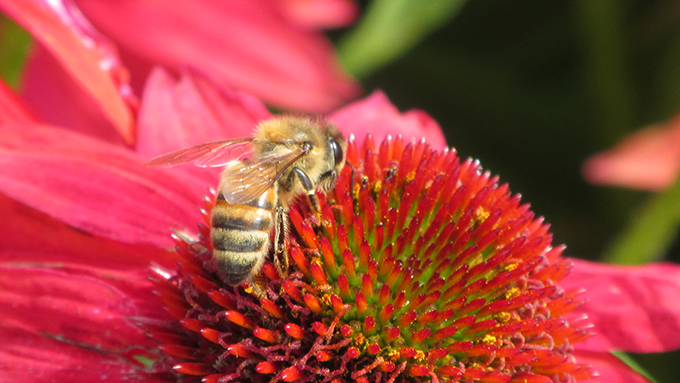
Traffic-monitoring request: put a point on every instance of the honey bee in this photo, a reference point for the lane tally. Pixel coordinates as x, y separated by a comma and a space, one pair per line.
291, 156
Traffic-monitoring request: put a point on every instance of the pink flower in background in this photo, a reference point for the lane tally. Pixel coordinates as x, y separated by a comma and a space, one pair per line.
648, 159
86, 224
100, 59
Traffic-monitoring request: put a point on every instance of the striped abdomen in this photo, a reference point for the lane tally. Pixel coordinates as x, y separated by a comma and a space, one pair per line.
241, 236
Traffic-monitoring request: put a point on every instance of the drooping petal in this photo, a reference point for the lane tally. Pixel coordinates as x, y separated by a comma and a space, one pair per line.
58, 100
97, 187
50, 241
648, 159
609, 368
86, 55
246, 44
377, 116
12, 108
320, 13
178, 114
59, 326
632, 308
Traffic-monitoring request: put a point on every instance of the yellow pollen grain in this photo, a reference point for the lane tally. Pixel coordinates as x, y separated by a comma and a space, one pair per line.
360, 340
316, 260
480, 216
377, 187
357, 188
503, 317
409, 177
511, 266
393, 355
489, 339
326, 300
248, 289
420, 356
512, 292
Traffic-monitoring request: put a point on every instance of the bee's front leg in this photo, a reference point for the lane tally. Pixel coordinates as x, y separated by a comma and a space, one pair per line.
280, 251
311, 192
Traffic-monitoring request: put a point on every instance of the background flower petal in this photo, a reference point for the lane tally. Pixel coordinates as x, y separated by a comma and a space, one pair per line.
178, 114
633, 308
377, 116
249, 45
62, 327
97, 187
27, 231
12, 108
87, 56
60, 101
320, 13
648, 159
609, 367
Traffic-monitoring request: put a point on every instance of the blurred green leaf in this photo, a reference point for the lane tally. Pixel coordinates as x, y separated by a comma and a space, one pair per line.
651, 232
389, 29
14, 45
625, 358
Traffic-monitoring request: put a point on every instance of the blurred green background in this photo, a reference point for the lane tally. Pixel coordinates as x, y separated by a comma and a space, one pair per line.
531, 88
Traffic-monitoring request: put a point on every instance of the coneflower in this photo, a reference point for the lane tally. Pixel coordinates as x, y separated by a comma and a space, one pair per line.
421, 267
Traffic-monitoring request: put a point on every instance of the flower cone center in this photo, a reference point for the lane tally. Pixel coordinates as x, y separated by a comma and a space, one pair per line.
420, 268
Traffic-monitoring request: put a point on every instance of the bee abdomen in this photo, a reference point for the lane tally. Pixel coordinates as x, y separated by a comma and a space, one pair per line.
240, 229
238, 267
241, 238
238, 240
240, 217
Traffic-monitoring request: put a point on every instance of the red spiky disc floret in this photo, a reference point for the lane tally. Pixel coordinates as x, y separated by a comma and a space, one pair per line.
419, 268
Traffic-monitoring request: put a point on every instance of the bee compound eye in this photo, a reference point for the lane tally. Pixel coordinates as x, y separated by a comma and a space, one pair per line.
337, 151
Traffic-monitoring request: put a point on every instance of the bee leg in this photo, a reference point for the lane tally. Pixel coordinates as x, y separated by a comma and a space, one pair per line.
258, 286
311, 192
280, 253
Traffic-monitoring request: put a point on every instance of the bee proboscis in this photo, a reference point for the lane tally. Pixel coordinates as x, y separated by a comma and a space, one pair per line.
290, 156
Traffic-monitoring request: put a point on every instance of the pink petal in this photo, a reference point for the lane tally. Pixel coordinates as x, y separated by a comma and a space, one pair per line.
377, 116
648, 159
97, 187
87, 57
59, 326
12, 108
609, 368
313, 14
193, 111
59, 101
30, 236
633, 308
249, 45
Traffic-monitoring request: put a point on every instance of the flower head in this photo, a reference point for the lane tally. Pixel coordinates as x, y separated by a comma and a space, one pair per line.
420, 268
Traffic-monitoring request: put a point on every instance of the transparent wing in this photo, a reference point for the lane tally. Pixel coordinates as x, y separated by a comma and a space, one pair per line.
211, 154
244, 181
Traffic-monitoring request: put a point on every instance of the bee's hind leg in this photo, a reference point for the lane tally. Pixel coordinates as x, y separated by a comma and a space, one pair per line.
258, 286
280, 251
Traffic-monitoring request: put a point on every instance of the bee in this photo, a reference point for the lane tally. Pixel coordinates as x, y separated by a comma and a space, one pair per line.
290, 156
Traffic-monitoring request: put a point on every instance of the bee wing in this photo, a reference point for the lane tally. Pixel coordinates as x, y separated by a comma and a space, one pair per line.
211, 154
247, 180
